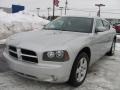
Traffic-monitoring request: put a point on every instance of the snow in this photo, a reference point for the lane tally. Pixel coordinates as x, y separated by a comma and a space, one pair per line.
19, 22
103, 75
2, 41
118, 36
118, 46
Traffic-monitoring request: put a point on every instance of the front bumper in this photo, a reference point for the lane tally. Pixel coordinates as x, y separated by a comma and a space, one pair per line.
49, 72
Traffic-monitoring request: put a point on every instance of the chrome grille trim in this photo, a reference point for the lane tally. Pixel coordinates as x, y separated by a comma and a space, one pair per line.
12, 51
23, 54
29, 55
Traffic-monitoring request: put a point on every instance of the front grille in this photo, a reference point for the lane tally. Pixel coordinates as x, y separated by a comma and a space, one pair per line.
13, 54
13, 51
23, 54
28, 52
30, 59
13, 48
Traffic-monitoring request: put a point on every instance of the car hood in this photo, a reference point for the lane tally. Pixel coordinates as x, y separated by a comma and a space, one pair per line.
45, 38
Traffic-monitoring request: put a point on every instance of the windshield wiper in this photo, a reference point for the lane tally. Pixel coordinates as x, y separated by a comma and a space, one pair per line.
51, 29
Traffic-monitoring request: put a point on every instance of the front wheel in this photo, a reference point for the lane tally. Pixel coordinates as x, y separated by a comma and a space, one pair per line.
79, 70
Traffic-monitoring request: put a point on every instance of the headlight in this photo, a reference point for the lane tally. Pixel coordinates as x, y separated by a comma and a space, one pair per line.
50, 54
58, 56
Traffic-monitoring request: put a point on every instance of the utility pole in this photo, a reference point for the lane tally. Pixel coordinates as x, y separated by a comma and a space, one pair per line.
48, 11
38, 10
53, 9
66, 3
99, 11
61, 9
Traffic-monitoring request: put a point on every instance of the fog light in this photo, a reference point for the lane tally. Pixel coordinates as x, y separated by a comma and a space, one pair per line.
54, 78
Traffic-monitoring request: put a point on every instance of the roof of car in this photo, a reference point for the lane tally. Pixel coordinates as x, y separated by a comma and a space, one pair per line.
85, 16
95, 17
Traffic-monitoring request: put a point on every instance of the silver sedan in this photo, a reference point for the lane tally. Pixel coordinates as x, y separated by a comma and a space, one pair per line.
63, 51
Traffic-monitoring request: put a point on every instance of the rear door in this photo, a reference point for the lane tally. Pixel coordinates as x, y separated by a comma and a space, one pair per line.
109, 34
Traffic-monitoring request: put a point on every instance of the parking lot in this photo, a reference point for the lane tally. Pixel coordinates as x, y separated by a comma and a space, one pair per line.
104, 75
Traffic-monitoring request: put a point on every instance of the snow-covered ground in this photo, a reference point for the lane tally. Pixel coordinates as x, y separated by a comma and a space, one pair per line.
19, 22
118, 36
104, 75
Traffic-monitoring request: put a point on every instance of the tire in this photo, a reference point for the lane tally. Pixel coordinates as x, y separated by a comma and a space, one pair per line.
112, 49
79, 70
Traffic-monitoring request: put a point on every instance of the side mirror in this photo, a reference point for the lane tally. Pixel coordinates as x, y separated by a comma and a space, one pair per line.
100, 29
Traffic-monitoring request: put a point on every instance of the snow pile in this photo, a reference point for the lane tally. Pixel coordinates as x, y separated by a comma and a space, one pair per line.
2, 41
19, 22
118, 46
118, 36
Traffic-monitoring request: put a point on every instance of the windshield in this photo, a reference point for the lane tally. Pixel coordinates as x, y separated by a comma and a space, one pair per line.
75, 24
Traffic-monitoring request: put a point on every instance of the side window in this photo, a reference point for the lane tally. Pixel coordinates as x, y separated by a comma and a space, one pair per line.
106, 25
99, 23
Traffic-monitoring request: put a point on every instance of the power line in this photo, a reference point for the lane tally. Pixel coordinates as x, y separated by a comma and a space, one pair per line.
81, 10
87, 9
61, 9
110, 12
73, 9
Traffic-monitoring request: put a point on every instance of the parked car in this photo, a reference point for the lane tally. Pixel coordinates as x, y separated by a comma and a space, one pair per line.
63, 51
117, 27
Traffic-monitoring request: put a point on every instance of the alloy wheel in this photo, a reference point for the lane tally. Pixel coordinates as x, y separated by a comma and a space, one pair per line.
81, 69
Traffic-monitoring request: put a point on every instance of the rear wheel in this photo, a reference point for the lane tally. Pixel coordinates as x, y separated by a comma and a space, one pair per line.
112, 50
79, 70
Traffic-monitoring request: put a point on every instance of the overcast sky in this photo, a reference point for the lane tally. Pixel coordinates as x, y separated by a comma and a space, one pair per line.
87, 5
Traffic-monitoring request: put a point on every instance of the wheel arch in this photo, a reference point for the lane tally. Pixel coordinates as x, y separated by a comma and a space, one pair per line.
86, 50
